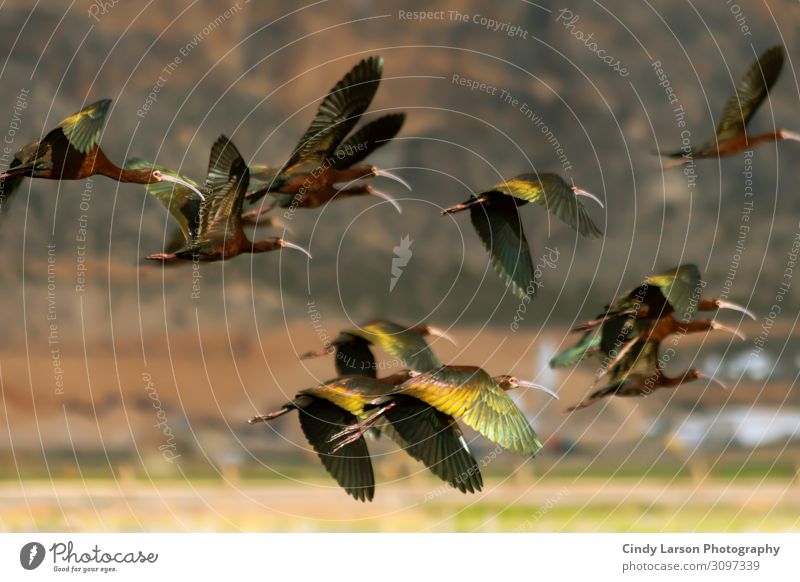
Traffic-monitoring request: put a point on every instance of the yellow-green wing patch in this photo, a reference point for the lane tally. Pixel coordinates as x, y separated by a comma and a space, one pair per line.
83, 128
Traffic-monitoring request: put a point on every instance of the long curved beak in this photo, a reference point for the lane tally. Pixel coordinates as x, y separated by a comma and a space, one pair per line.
579, 192
288, 245
534, 386
730, 330
166, 178
437, 332
722, 304
790, 135
712, 379
317, 353
395, 177
389, 199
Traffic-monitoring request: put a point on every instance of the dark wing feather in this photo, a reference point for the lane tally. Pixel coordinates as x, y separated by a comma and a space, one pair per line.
499, 228
555, 194
750, 93
339, 112
353, 356
434, 438
351, 465
367, 139
225, 188
83, 128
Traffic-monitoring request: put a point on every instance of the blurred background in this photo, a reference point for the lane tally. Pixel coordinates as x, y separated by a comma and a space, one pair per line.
126, 387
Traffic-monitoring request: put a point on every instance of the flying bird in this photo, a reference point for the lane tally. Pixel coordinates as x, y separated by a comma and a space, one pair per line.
467, 393
640, 373
425, 433
495, 217
649, 308
750, 94
71, 152
183, 204
326, 163
215, 232
351, 348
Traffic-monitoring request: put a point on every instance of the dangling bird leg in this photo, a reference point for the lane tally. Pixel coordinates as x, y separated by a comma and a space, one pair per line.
269, 416
464, 205
356, 431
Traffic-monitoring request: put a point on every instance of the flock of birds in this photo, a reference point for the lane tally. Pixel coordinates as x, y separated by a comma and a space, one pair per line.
418, 407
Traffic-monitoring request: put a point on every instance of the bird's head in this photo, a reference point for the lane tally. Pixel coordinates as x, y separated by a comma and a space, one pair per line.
507, 382
159, 176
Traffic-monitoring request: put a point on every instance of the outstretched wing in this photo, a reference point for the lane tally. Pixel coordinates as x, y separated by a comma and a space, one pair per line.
750, 93
226, 185
406, 345
500, 230
367, 139
339, 112
470, 394
588, 344
555, 194
182, 202
83, 128
351, 465
679, 286
432, 437
353, 356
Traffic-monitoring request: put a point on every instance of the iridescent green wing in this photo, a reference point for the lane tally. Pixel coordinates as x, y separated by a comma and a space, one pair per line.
500, 230
587, 345
473, 396
555, 194
367, 139
83, 128
750, 93
432, 437
339, 113
181, 202
406, 345
351, 465
679, 286
225, 188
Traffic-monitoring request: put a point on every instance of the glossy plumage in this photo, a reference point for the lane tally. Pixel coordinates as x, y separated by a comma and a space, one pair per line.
70, 151
731, 136
407, 345
217, 232
325, 156
495, 217
663, 304
639, 373
467, 393
424, 433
